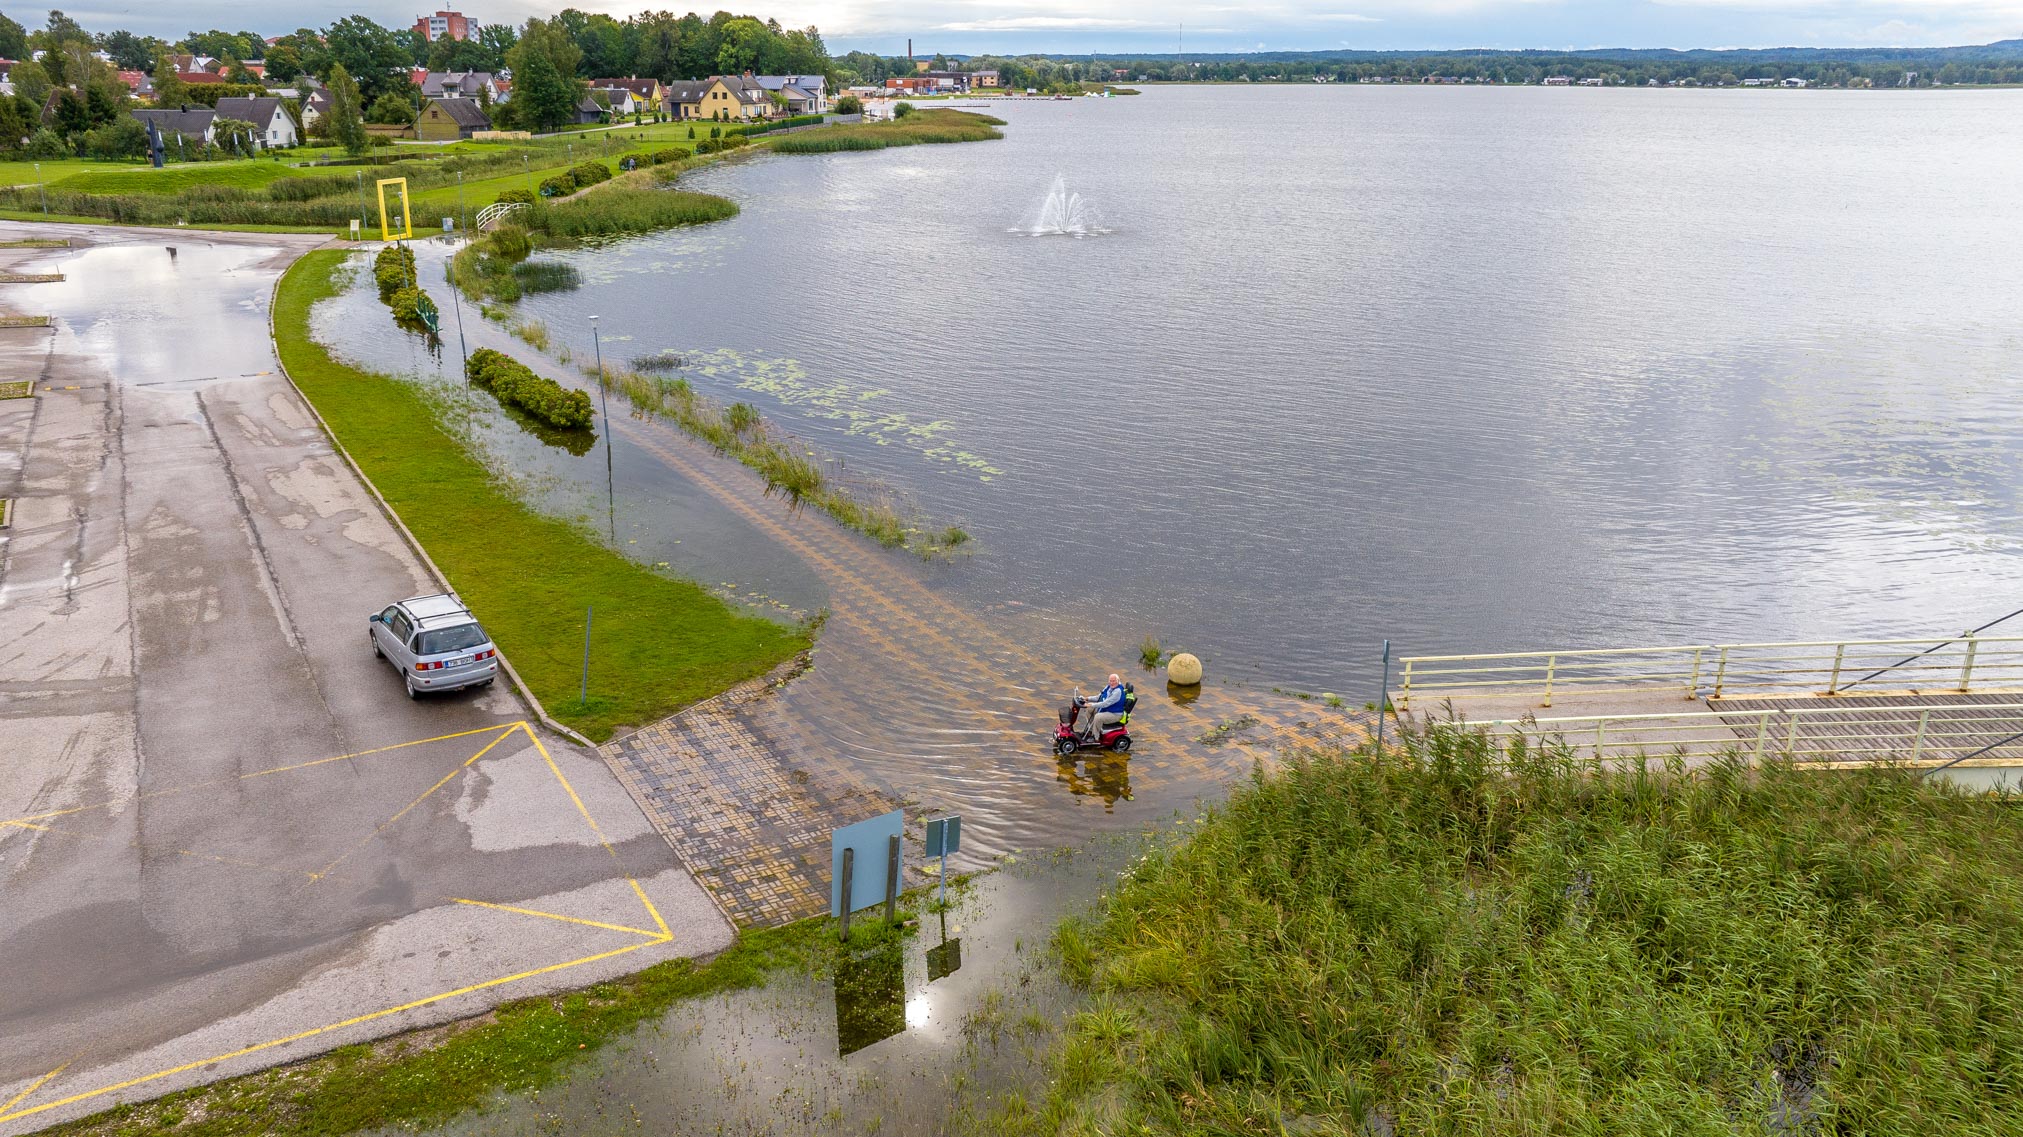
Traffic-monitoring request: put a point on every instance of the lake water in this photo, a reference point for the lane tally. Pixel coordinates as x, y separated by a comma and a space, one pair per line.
1467, 368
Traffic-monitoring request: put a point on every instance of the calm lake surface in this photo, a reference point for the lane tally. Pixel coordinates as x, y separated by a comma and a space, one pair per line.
1470, 369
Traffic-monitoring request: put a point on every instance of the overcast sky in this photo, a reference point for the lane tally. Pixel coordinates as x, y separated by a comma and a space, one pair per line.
1010, 26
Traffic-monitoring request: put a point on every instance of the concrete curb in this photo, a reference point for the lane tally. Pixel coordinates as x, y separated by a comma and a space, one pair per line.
526, 696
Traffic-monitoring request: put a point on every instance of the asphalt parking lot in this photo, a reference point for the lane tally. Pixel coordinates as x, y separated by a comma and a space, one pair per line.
227, 837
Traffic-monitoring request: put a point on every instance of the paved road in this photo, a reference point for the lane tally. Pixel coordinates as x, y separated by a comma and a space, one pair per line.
184, 871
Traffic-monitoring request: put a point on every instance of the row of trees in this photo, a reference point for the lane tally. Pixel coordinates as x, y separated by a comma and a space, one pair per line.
1995, 64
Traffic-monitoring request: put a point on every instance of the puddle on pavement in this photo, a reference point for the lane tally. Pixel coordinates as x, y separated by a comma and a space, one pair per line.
162, 313
924, 1037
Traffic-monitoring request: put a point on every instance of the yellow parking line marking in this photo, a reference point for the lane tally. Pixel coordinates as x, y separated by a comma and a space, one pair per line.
508, 727
594, 828
314, 1031
325, 871
32, 1087
565, 919
246, 864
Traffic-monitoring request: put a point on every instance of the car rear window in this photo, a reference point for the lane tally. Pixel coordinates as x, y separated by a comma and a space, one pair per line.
463, 637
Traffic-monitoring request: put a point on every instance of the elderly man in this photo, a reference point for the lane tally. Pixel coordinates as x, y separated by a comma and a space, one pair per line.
1102, 712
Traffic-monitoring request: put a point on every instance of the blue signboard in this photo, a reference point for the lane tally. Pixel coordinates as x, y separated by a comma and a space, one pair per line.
872, 842
944, 836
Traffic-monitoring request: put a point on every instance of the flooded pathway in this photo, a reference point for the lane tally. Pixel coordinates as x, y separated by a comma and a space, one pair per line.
915, 699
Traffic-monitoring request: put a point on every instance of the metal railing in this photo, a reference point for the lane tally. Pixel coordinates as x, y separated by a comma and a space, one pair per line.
1921, 735
488, 217
1929, 666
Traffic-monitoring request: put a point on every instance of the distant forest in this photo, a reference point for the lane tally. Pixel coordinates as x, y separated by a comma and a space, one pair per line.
1988, 64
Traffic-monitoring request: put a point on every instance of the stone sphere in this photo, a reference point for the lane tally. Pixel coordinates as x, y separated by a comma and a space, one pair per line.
1183, 669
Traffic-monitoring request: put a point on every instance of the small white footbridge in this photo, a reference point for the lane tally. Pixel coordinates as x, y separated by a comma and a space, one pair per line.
1947, 705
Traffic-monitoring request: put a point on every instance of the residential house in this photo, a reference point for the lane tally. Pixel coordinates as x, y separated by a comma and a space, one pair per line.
804, 93
138, 83
315, 106
449, 119
682, 99
621, 102
649, 92
588, 110
736, 98
452, 24
479, 85
192, 123
983, 79
272, 126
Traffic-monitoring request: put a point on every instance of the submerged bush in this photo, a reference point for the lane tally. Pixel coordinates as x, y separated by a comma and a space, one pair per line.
411, 306
541, 397
393, 269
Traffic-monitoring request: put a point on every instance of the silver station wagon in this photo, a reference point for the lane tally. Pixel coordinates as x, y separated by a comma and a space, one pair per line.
435, 643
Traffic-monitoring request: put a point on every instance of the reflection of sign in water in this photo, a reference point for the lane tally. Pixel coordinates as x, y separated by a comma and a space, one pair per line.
870, 998
944, 959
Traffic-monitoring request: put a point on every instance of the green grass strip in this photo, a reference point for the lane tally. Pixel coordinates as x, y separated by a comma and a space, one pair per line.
659, 643
424, 1080
1448, 939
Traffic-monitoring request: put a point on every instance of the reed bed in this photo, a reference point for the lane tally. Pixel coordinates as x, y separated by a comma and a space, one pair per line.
1444, 939
933, 126
620, 208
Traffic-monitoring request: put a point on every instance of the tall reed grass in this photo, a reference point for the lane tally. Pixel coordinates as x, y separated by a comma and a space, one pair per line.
932, 126
1443, 939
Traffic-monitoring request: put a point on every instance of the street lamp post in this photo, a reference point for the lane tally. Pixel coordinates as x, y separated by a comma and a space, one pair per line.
604, 408
42, 187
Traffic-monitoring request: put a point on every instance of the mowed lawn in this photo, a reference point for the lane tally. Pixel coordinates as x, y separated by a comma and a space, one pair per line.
659, 643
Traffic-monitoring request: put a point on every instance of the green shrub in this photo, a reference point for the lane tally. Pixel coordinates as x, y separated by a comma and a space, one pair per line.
393, 269
849, 104
561, 185
46, 143
671, 154
510, 243
123, 137
589, 173
410, 305
903, 109
517, 197
515, 384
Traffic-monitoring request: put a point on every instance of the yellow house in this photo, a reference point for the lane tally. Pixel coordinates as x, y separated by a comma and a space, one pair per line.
734, 98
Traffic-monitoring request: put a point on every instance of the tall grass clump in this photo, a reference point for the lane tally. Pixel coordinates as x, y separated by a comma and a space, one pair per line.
619, 209
1444, 939
940, 125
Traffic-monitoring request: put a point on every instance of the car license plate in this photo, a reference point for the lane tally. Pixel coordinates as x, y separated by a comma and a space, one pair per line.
464, 662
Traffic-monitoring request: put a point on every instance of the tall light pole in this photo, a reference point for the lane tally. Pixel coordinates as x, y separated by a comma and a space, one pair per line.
604, 408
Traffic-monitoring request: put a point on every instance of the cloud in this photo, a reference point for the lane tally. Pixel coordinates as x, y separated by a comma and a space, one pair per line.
1346, 18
